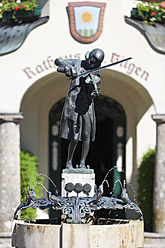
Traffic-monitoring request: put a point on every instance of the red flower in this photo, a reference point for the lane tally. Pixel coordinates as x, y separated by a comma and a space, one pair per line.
153, 13
22, 6
163, 5
16, 8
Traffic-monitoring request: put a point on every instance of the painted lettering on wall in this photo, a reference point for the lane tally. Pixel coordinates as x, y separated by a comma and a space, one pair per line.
48, 64
45, 65
130, 68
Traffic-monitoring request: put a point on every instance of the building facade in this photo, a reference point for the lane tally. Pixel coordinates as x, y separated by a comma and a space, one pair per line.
32, 92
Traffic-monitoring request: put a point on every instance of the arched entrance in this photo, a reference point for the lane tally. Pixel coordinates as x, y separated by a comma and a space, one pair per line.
106, 152
45, 95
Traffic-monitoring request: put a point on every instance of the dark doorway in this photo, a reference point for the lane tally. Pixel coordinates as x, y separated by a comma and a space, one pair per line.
100, 156
105, 152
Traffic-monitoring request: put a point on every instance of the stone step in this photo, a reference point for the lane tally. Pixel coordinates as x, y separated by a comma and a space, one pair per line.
154, 240
154, 246
5, 245
5, 240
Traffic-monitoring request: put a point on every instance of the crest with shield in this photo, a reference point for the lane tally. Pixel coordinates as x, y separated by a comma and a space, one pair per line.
86, 20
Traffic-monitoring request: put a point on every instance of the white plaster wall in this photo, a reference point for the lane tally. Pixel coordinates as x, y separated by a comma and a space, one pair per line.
146, 135
53, 39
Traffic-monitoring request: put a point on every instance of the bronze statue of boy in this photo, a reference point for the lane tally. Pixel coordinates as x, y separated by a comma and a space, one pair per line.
78, 116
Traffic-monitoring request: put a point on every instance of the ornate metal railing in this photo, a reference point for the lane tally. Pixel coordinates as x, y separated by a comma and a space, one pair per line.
77, 209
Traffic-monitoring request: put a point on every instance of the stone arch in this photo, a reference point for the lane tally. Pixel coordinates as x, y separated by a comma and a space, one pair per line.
44, 93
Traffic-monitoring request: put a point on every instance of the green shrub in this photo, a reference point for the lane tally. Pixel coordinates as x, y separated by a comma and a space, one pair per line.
29, 178
145, 191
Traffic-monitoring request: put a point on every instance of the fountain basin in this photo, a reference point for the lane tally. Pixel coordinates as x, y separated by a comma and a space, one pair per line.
129, 234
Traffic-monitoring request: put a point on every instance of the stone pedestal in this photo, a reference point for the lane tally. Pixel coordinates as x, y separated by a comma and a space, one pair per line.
83, 176
159, 180
9, 168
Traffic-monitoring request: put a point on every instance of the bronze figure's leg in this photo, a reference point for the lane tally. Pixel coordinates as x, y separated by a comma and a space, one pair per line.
71, 149
85, 149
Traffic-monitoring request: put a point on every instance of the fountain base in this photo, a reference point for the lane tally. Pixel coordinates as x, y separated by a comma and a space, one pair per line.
123, 233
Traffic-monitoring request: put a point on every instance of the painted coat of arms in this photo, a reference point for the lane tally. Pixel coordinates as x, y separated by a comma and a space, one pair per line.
86, 20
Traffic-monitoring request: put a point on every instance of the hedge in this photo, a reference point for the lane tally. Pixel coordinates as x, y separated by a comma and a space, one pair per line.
29, 178
145, 190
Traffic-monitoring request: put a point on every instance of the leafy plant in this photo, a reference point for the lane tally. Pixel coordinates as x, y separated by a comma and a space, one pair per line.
151, 12
13, 5
145, 190
29, 178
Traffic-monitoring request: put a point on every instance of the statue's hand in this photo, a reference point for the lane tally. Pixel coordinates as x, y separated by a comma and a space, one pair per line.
66, 67
70, 72
89, 79
94, 93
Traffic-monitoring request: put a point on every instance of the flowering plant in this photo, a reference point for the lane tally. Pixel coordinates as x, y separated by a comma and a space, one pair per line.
151, 12
15, 5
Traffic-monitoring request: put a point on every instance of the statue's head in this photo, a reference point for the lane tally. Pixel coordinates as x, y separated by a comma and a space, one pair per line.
94, 58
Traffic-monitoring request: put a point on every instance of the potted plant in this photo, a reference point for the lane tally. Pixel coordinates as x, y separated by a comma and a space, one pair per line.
18, 10
149, 12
